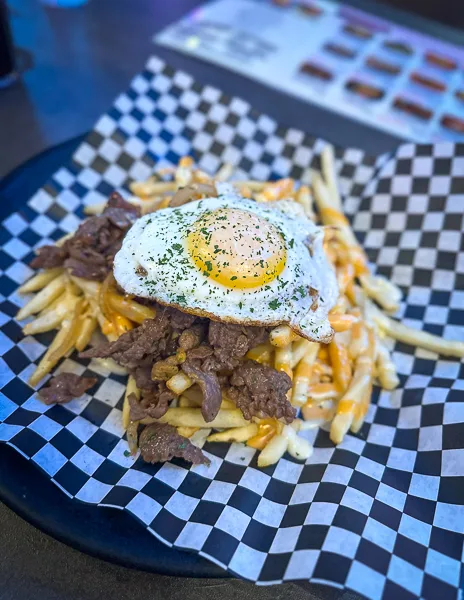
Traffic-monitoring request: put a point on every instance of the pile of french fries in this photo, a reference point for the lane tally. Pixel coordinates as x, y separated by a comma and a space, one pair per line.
332, 384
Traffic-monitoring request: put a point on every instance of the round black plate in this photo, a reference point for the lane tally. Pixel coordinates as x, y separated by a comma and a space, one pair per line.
107, 533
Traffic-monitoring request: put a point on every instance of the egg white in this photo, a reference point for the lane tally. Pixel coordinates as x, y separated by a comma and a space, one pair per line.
158, 243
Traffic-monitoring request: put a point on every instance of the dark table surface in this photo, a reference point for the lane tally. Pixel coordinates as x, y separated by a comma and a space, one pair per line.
73, 64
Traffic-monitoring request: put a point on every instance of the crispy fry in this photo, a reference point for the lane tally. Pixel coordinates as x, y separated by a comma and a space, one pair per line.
273, 451
46, 295
340, 363
60, 346
415, 337
283, 360
354, 403
132, 437
179, 383
331, 214
322, 391
386, 293
299, 349
187, 431
276, 190
267, 429
328, 171
359, 340
261, 353
199, 437
237, 434
297, 446
152, 187
91, 291
282, 336
304, 197
39, 281
341, 323
183, 173
71, 326
345, 275
386, 370
318, 412
53, 318
303, 373
191, 417
88, 326
254, 186
224, 173
131, 388
130, 308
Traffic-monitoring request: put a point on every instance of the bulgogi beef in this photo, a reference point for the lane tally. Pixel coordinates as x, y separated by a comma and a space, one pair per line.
161, 442
66, 386
261, 391
89, 253
152, 404
212, 354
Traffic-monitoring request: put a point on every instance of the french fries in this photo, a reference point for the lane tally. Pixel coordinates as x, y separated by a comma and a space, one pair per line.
88, 326
131, 388
192, 417
47, 294
282, 336
330, 383
39, 281
303, 373
179, 383
236, 434
353, 405
283, 360
130, 309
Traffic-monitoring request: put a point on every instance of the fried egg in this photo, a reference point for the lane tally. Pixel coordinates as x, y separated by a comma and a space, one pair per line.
233, 260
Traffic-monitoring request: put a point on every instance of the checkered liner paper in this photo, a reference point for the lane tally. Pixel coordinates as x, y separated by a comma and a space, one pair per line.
383, 513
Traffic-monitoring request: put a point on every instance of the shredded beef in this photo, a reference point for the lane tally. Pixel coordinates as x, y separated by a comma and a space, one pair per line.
209, 385
161, 442
48, 257
231, 343
66, 386
180, 320
152, 404
138, 347
214, 358
89, 253
260, 391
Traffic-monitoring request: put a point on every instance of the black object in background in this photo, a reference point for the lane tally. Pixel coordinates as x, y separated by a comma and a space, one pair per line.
7, 60
450, 12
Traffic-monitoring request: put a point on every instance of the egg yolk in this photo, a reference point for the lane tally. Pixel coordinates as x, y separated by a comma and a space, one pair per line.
237, 248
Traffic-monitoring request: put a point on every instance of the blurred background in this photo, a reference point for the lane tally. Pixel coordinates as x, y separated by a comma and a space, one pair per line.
72, 61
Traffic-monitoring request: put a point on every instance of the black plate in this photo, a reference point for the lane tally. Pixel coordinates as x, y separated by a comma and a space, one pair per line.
108, 533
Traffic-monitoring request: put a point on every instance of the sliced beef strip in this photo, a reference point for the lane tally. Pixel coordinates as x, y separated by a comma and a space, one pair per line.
160, 442
64, 387
48, 257
138, 347
89, 253
209, 385
152, 404
231, 343
260, 391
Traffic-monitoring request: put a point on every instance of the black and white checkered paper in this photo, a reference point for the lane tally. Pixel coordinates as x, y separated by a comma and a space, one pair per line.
383, 513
